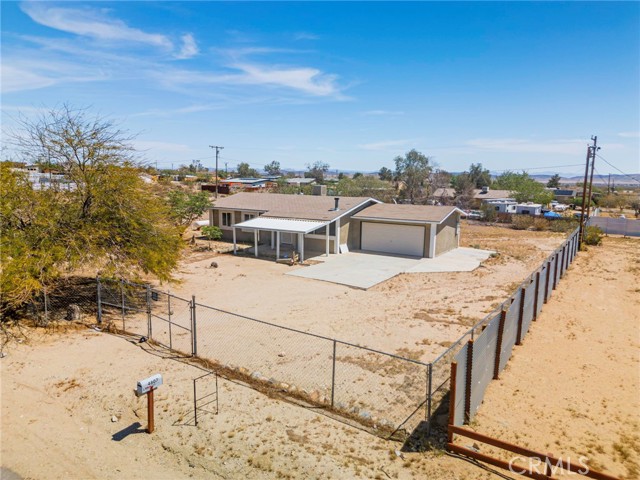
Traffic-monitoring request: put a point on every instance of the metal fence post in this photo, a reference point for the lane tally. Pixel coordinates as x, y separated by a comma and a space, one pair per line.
469, 384
536, 295
99, 299
194, 324
149, 311
496, 366
523, 293
123, 305
333, 374
429, 394
46, 308
169, 317
195, 403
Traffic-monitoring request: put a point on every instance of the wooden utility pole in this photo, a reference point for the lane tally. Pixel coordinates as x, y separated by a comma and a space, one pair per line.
591, 156
217, 151
594, 149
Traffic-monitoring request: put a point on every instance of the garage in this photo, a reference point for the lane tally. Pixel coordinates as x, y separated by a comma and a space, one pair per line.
393, 238
411, 230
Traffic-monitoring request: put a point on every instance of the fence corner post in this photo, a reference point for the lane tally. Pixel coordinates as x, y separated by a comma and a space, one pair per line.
194, 324
99, 299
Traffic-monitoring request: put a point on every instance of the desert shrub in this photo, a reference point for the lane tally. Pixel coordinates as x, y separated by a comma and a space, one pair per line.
503, 217
489, 212
521, 222
563, 225
593, 236
540, 224
212, 232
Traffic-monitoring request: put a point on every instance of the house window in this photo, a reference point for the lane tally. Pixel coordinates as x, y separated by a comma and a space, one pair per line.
247, 216
526, 212
226, 219
497, 208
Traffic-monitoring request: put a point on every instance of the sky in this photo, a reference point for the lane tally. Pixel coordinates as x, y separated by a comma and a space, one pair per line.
514, 85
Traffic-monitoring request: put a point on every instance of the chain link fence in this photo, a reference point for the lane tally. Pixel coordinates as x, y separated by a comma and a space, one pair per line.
390, 394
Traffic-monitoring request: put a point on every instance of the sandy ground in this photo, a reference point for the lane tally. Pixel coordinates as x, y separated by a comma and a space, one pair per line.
573, 387
412, 314
61, 391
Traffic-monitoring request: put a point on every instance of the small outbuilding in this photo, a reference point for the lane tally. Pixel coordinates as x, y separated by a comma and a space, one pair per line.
412, 230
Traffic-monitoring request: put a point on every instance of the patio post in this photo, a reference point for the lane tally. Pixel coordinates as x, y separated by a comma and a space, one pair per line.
271, 245
277, 245
336, 246
235, 246
255, 242
327, 241
301, 243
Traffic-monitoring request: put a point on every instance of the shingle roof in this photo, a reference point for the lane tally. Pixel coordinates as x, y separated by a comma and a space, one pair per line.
304, 207
408, 213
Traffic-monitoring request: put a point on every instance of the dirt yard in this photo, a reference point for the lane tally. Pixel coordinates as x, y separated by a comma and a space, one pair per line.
573, 387
416, 315
68, 411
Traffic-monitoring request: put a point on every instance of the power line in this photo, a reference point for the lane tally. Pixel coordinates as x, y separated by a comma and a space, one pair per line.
616, 168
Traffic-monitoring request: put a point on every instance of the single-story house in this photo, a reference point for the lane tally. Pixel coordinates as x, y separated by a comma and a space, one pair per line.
529, 209
480, 195
413, 230
298, 221
301, 181
335, 225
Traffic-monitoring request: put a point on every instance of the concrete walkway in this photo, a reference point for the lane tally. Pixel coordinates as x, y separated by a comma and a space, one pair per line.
366, 269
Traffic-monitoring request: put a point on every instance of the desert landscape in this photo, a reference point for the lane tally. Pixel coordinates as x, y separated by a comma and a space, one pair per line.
69, 391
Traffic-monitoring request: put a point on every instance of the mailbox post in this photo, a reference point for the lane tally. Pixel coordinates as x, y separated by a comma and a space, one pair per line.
146, 387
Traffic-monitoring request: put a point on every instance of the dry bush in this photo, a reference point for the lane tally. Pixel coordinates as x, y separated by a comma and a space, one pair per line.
540, 224
521, 222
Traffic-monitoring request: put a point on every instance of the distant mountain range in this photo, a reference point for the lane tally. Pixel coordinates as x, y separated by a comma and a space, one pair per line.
572, 179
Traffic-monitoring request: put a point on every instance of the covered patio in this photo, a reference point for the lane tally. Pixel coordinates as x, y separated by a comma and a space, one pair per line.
278, 226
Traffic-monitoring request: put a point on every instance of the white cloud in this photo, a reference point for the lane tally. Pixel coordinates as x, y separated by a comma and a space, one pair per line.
90, 23
189, 47
308, 80
386, 145
629, 134
305, 36
16, 79
382, 113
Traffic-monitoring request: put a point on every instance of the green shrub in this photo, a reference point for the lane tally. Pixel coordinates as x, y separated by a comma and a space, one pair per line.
593, 236
211, 232
489, 212
521, 222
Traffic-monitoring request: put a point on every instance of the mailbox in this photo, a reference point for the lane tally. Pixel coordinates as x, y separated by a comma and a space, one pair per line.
148, 384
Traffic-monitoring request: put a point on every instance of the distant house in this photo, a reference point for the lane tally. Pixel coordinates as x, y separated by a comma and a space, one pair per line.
564, 195
334, 225
301, 181
480, 195
529, 209
502, 206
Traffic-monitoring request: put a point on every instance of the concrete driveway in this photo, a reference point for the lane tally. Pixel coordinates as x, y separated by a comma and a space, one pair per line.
366, 269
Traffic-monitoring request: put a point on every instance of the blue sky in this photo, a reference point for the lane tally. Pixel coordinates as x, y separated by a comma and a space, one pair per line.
511, 85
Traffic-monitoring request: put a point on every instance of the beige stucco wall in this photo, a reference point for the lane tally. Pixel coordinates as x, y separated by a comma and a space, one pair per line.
427, 239
353, 234
446, 237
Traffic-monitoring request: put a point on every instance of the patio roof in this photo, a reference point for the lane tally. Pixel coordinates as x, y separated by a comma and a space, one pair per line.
288, 225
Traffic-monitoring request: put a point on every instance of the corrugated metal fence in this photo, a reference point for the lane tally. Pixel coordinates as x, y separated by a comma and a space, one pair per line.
482, 357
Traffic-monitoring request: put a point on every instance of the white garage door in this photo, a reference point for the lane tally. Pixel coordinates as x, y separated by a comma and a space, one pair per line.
393, 238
